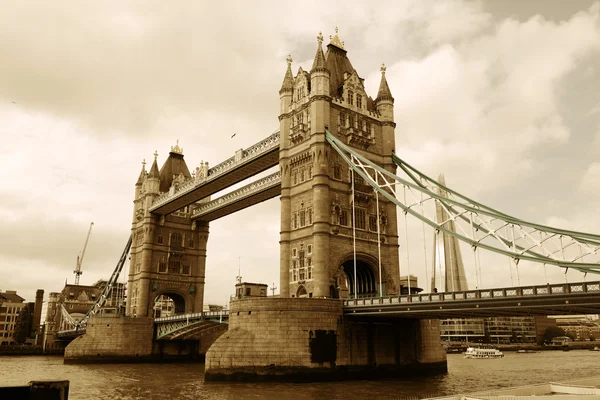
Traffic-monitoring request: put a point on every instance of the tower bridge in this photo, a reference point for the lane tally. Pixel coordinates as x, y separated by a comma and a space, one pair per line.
342, 309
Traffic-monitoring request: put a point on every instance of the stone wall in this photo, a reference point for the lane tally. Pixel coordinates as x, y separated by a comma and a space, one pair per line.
109, 339
276, 336
310, 339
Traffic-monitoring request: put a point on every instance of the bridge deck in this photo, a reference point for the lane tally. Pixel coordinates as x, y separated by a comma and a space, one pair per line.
574, 298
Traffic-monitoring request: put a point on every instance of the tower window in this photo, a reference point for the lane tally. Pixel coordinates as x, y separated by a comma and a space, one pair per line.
337, 171
191, 243
174, 266
185, 270
309, 169
176, 239
159, 239
373, 223
342, 121
302, 218
162, 266
360, 218
344, 218
310, 216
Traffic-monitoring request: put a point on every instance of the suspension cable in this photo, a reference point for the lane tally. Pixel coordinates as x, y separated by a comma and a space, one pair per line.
378, 242
512, 282
354, 234
479, 267
439, 260
406, 237
424, 242
515, 259
474, 250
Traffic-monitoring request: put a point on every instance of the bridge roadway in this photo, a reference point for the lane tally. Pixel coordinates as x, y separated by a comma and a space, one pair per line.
552, 299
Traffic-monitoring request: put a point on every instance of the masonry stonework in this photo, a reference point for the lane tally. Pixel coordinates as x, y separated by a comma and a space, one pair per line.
318, 206
310, 339
109, 339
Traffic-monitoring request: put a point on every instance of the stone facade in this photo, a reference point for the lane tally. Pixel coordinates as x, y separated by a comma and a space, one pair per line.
168, 253
310, 339
110, 339
316, 236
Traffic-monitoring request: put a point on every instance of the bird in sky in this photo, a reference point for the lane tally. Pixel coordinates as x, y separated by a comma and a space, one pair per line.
233, 135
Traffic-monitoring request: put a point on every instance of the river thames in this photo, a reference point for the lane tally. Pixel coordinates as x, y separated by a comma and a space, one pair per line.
186, 381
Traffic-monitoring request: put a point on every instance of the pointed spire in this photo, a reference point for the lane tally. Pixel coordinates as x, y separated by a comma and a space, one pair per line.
154, 169
319, 62
335, 40
142, 174
384, 90
288, 80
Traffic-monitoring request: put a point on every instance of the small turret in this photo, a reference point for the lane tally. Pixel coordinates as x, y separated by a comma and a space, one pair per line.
153, 181
319, 74
142, 176
384, 100
287, 87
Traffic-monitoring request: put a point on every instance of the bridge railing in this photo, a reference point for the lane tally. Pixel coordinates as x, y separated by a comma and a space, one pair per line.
193, 316
520, 291
243, 156
248, 190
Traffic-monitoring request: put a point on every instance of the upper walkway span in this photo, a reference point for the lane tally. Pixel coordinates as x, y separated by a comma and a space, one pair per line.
244, 164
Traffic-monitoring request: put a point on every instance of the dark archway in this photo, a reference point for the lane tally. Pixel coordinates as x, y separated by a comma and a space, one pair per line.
168, 304
366, 281
301, 292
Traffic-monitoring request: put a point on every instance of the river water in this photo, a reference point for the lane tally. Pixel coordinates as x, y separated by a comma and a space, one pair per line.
186, 381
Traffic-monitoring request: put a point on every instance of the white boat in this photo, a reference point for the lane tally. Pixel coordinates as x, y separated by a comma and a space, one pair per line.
476, 352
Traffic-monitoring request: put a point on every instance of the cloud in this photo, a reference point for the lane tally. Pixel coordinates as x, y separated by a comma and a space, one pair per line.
88, 90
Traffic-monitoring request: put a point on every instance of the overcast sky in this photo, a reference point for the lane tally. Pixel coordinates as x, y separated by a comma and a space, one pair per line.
501, 96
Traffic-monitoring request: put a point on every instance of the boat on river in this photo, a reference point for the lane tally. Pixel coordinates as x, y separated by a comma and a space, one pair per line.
476, 352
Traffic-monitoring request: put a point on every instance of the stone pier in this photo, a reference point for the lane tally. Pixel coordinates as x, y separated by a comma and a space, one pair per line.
310, 339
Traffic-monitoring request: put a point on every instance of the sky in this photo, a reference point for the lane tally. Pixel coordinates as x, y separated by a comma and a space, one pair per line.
501, 96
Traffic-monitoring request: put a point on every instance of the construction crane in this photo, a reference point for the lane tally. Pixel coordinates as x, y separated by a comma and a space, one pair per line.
78, 270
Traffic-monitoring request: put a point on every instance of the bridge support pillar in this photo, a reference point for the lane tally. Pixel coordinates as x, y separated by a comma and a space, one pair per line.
308, 339
110, 339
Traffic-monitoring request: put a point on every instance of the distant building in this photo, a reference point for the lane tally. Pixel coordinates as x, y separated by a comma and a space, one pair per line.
247, 289
580, 327
495, 329
77, 301
11, 305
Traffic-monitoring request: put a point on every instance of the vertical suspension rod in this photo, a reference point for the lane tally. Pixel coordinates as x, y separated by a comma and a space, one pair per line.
354, 232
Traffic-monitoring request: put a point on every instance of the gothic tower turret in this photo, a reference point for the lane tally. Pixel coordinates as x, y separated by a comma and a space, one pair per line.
316, 198
168, 252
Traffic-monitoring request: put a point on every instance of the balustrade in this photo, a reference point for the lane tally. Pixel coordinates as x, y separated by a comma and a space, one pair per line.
213, 173
529, 291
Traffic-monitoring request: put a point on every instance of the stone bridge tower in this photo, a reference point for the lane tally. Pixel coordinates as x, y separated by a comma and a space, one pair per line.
168, 253
316, 256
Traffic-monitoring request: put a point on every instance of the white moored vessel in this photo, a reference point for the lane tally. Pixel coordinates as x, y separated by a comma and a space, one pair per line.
475, 352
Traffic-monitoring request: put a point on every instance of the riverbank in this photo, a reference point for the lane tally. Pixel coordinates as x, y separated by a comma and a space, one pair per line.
24, 350
526, 346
